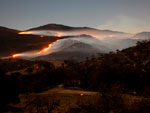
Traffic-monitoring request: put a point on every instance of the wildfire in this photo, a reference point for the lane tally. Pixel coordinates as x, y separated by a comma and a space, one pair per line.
25, 32
15, 55
45, 49
34, 53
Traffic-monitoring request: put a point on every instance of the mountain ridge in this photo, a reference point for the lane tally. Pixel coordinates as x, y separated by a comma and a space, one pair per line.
70, 28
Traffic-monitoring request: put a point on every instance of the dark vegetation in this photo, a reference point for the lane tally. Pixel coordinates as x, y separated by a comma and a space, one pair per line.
127, 70
120, 72
9, 91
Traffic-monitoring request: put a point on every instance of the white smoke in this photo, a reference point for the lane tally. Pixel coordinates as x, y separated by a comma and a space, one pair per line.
102, 41
64, 44
126, 23
101, 35
101, 46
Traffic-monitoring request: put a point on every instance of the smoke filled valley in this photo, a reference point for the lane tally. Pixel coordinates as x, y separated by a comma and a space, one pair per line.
62, 69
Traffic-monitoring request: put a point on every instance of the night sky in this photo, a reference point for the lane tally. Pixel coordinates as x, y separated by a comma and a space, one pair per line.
122, 15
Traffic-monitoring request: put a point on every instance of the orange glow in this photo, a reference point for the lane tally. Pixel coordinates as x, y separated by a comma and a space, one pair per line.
14, 56
56, 40
110, 35
25, 32
45, 49
49, 46
81, 94
40, 52
41, 36
36, 67
59, 35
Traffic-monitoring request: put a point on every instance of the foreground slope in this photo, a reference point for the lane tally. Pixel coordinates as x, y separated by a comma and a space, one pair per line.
120, 80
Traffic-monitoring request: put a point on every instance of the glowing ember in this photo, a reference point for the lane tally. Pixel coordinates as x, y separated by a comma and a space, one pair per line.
36, 67
41, 36
81, 94
25, 32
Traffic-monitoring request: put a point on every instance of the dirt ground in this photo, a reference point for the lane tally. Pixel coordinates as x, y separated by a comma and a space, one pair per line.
60, 100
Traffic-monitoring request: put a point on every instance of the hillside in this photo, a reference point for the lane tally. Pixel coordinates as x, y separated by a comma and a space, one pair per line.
59, 27
7, 30
126, 68
52, 27
11, 42
75, 49
119, 78
142, 36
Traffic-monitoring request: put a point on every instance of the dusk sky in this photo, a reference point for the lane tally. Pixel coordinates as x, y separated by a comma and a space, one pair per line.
121, 15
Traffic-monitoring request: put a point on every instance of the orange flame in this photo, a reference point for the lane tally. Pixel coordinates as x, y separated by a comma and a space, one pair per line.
25, 32
46, 49
15, 55
43, 50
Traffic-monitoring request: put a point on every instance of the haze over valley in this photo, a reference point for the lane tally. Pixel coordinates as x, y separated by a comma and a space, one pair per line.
58, 41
